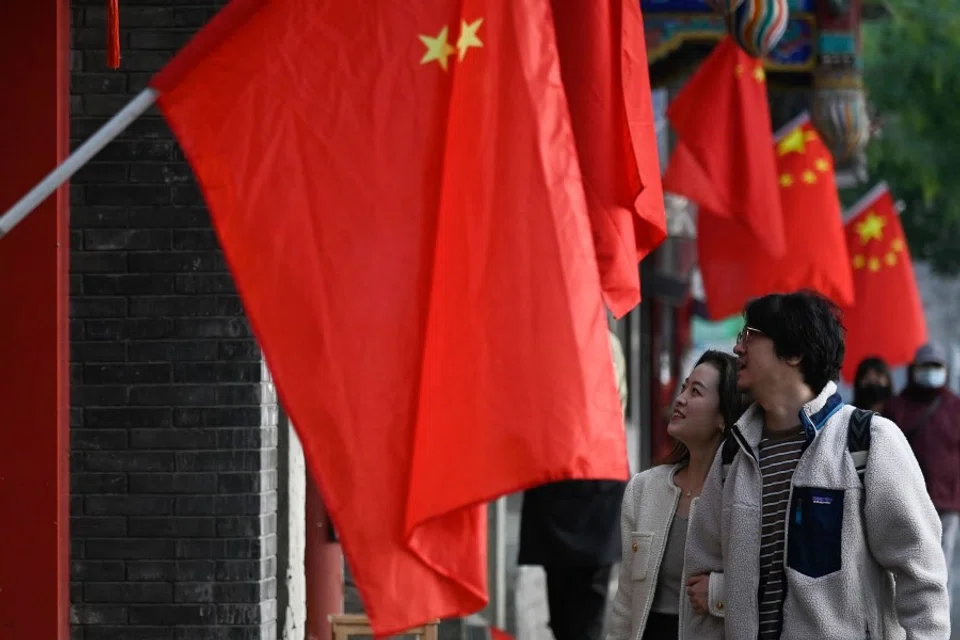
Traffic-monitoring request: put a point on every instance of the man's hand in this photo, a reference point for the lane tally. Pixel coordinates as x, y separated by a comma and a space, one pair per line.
698, 589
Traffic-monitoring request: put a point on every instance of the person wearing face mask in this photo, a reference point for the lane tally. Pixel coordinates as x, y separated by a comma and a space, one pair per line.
872, 385
929, 414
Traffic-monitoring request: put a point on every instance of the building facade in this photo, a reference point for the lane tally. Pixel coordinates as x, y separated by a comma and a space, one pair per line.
185, 487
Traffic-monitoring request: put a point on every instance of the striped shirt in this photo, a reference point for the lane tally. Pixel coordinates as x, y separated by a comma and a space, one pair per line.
779, 455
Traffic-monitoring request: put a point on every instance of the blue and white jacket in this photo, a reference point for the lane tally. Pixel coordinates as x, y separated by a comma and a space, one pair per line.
847, 542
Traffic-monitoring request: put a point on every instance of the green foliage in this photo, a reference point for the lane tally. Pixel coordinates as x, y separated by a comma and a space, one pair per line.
912, 74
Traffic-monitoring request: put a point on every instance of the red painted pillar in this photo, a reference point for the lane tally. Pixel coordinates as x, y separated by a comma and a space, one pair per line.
34, 341
324, 567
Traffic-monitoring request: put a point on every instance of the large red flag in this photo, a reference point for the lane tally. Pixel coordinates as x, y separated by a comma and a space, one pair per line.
603, 59
724, 159
887, 318
396, 189
734, 270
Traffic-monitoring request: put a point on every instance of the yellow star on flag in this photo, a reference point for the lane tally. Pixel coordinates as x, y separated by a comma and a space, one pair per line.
786, 180
897, 244
874, 264
792, 142
809, 136
809, 177
890, 258
738, 70
759, 74
468, 36
438, 49
822, 165
858, 261
871, 228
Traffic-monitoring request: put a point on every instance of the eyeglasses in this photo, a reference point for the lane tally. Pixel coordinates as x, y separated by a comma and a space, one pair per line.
747, 334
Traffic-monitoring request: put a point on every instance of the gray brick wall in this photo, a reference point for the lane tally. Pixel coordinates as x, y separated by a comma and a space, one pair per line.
173, 415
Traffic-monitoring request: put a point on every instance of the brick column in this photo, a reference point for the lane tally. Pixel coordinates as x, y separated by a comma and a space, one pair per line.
174, 417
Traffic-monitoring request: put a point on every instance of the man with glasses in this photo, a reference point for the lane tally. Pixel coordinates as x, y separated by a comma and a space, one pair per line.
801, 544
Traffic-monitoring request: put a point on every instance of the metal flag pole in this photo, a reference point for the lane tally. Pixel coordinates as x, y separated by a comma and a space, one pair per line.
76, 160
864, 200
798, 121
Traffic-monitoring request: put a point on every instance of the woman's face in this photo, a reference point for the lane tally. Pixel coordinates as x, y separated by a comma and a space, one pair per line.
696, 415
874, 377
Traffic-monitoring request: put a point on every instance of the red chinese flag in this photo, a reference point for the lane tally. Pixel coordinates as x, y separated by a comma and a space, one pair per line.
603, 60
734, 271
724, 159
887, 318
396, 190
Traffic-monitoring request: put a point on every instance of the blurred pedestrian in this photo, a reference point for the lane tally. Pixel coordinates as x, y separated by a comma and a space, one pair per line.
929, 414
570, 528
872, 385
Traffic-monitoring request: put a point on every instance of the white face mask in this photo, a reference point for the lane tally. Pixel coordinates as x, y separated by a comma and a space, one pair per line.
930, 377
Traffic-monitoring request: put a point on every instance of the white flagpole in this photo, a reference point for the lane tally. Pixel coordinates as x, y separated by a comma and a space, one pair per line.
77, 159
865, 200
799, 121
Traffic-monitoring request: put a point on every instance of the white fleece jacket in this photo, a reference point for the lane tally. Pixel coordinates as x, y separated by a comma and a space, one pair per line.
649, 505
846, 543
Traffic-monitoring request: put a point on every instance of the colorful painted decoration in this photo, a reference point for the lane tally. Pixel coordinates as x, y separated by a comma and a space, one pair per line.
700, 6
840, 112
758, 25
837, 7
724, 6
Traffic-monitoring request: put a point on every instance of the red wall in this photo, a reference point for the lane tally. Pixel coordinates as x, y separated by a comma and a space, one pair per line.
34, 258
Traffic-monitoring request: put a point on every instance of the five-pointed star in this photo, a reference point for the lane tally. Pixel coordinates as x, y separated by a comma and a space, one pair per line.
897, 244
890, 258
759, 74
786, 180
468, 36
810, 136
871, 228
822, 165
809, 177
858, 261
874, 264
438, 49
792, 142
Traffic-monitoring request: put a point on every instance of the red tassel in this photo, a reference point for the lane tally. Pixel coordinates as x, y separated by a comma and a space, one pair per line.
113, 34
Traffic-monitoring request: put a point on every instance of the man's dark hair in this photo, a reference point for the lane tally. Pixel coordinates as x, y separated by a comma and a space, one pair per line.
803, 324
732, 401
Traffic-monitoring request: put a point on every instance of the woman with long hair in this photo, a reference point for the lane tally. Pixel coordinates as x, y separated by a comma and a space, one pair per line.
872, 384
651, 601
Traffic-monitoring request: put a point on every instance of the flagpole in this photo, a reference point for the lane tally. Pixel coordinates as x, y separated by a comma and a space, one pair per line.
864, 200
799, 121
84, 153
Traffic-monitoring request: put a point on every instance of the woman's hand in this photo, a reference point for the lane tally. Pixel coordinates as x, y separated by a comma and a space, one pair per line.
698, 589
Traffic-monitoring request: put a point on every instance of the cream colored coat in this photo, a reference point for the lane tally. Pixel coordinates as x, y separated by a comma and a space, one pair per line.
649, 505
